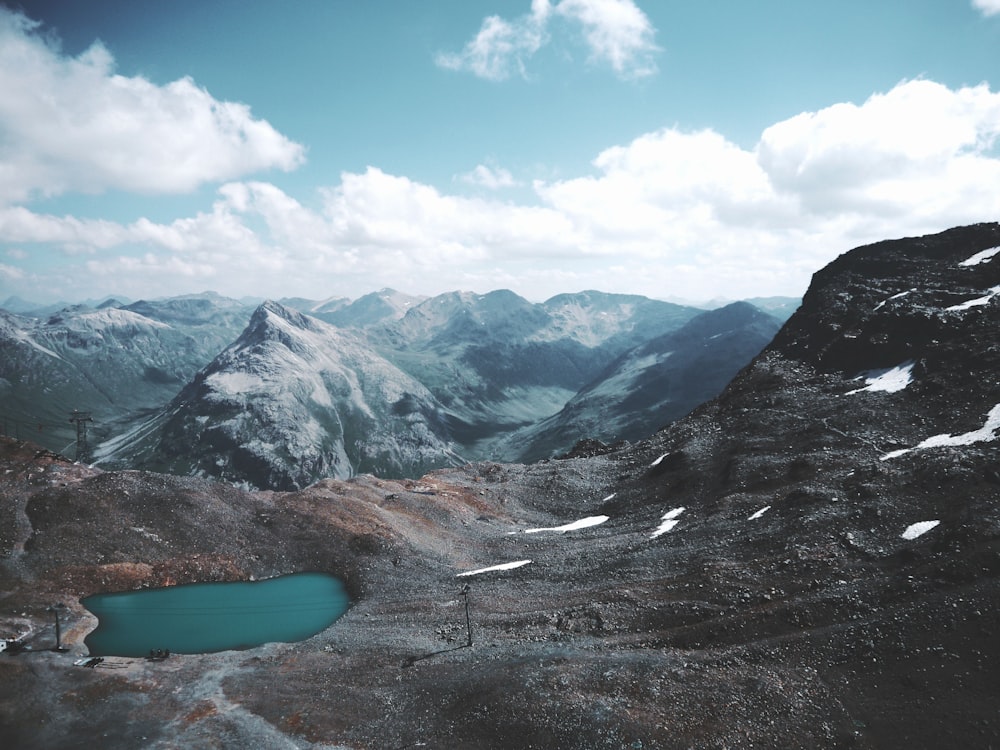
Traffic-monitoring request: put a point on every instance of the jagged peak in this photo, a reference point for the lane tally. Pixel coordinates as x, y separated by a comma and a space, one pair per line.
271, 307
274, 321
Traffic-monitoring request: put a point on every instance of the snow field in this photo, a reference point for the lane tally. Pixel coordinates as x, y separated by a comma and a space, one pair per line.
668, 521
583, 523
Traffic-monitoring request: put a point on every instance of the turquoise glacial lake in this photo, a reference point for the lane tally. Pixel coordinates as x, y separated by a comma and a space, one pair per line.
202, 618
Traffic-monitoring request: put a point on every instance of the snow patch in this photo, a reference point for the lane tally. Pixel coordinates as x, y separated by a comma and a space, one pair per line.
657, 461
234, 383
321, 395
895, 296
890, 381
583, 523
895, 454
991, 293
25, 338
503, 566
669, 520
986, 433
916, 529
759, 513
980, 257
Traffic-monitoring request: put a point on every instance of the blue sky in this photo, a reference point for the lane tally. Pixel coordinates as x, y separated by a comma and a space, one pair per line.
322, 148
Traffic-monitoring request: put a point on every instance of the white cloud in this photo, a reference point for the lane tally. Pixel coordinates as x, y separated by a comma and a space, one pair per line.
73, 124
987, 7
671, 213
615, 32
499, 49
10, 273
18, 224
378, 215
893, 153
491, 178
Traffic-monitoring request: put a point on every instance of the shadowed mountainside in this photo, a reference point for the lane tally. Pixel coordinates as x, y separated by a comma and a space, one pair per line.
655, 383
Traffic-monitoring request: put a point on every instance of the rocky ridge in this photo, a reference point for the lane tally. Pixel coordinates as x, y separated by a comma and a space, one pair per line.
113, 361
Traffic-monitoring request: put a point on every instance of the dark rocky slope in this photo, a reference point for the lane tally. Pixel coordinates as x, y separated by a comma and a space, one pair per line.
757, 582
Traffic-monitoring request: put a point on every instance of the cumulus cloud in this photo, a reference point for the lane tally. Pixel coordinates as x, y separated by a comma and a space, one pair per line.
74, 124
987, 7
672, 212
18, 224
918, 148
912, 160
377, 213
616, 32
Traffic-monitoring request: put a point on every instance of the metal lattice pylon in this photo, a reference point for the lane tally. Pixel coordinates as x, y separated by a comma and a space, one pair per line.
82, 447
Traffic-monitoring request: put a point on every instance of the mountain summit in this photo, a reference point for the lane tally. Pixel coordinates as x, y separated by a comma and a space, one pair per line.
294, 399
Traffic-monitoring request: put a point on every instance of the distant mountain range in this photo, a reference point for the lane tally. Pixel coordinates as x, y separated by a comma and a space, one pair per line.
284, 393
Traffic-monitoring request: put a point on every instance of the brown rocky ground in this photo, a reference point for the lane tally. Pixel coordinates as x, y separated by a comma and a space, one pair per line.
811, 626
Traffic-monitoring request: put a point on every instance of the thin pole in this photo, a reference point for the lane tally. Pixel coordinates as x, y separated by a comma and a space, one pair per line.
55, 610
468, 621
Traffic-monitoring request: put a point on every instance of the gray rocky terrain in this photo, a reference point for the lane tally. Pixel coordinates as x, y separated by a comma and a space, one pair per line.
809, 560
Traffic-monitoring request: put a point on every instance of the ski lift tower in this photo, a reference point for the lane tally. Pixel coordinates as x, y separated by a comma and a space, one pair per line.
82, 447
